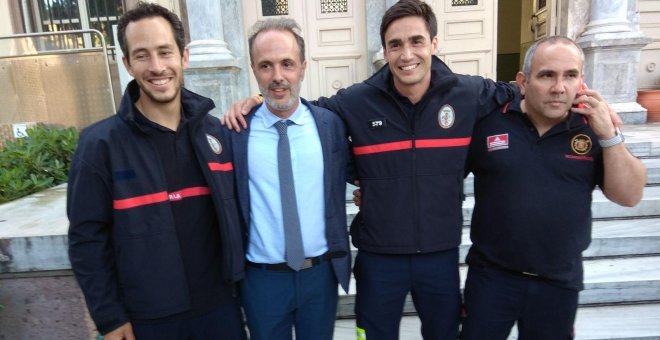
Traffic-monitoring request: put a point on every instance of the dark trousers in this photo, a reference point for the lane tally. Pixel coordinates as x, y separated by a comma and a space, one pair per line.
383, 281
223, 322
496, 299
275, 301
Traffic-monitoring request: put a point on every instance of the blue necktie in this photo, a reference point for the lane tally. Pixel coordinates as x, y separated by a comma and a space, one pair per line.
295, 254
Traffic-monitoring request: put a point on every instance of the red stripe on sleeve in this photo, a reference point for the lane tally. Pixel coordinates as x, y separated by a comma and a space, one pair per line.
137, 201
443, 143
159, 197
385, 147
189, 192
405, 145
214, 166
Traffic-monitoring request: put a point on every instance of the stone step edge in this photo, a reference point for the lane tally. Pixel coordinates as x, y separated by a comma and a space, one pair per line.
40, 253
346, 304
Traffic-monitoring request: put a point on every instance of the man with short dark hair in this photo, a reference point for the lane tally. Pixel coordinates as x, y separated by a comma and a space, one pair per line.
155, 238
536, 162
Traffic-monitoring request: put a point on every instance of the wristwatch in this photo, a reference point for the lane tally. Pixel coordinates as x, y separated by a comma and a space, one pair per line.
617, 139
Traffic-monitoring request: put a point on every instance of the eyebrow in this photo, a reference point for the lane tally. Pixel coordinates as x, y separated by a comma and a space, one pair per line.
389, 42
160, 47
412, 38
553, 72
545, 71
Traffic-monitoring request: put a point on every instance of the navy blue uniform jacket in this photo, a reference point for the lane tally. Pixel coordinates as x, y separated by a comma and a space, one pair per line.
410, 159
123, 243
334, 143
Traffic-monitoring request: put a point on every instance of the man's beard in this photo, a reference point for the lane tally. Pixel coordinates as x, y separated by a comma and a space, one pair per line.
294, 90
158, 97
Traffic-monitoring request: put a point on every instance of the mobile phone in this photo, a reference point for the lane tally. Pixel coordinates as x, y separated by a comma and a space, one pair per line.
580, 89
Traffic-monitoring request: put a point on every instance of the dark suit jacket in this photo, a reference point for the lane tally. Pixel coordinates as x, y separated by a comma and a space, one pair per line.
334, 143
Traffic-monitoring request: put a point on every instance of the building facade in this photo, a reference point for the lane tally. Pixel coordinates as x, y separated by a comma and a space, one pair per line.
481, 37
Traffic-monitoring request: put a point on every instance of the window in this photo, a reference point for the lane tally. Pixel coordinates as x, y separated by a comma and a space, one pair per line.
540, 4
274, 7
334, 6
65, 15
455, 3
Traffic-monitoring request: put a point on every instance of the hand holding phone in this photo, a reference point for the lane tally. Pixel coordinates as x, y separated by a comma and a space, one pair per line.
577, 95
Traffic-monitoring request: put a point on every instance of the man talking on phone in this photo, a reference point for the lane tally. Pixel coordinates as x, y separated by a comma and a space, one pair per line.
536, 163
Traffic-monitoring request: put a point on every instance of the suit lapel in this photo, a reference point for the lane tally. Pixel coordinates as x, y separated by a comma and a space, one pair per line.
325, 135
241, 169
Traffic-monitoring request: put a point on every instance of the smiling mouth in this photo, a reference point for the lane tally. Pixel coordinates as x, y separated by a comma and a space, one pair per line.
409, 67
159, 82
278, 90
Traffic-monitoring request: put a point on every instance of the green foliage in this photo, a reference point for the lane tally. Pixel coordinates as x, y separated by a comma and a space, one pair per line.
37, 162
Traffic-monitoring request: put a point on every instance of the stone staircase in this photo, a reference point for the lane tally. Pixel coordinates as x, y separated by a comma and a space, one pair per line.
621, 299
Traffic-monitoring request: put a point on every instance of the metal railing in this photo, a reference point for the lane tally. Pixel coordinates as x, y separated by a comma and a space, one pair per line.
55, 77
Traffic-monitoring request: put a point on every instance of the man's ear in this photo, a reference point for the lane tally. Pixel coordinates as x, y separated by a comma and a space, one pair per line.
304, 68
520, 80
185, 58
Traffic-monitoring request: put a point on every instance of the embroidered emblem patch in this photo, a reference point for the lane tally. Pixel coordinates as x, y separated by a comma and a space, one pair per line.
581, 144
446, 116
214, 143
497, 142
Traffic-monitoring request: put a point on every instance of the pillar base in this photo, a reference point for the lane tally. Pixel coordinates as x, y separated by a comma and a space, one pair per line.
611, 63
610, 25
213, 72
211, 53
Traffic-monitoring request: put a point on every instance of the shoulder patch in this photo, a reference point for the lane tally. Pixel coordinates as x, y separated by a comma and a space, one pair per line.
446, 116
497, 142
581, 144
214, 143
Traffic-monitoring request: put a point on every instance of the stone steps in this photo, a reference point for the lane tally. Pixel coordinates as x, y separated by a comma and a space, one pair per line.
652, 166
602, 208
633, 279
653, 170
620, 237
621, 299
633, 322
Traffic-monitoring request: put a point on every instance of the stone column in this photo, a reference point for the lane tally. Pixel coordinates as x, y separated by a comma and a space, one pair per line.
612, 51
608, 16
376, 9
213, 70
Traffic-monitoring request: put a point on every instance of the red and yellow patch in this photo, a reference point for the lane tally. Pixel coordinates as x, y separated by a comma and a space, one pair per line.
581, 144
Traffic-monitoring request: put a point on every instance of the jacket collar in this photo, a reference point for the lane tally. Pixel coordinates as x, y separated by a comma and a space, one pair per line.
441, 77
194, 106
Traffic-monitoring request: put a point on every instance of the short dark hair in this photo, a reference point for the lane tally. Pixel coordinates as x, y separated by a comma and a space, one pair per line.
409, 8
150, 10
276, 24
550, 40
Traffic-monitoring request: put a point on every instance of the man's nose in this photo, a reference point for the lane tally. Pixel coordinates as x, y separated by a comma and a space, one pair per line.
156, 65
407, 53
559, 86
278, 74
